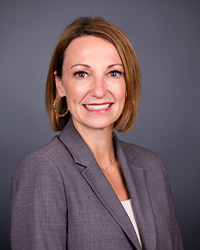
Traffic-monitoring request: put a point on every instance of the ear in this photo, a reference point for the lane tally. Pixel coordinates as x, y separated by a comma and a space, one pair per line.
59, 86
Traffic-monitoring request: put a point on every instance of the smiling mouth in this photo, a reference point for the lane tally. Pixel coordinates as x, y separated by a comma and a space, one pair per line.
98, 107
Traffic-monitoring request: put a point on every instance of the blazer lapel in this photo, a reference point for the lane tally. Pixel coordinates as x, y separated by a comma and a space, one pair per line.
97, 180
135, 179
100, 185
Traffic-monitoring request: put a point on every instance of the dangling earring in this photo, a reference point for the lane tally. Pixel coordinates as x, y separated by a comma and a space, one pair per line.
58, 98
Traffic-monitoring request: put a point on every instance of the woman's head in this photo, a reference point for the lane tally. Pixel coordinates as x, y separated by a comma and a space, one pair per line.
99, 28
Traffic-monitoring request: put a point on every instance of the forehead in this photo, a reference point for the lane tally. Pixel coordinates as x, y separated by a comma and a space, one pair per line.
91, 48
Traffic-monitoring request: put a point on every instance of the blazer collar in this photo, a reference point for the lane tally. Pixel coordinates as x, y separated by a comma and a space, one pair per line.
134, 177
76, 145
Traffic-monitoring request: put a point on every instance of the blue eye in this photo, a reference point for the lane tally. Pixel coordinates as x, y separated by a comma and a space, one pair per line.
81, 74
115, 73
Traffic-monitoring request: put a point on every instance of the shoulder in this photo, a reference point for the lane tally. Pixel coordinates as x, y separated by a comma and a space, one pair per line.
137, 151
142, 157
52, 151
41, 162
39, 177
148, 163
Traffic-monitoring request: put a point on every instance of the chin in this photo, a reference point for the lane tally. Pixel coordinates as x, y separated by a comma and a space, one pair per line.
101, 125
96, 123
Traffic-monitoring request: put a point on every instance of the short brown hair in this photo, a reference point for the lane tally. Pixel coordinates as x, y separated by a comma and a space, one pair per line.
100, 28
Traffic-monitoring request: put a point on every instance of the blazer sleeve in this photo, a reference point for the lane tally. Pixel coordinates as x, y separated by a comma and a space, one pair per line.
38, 205
177, 239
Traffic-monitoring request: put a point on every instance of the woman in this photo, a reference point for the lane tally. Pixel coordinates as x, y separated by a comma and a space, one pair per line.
86, 189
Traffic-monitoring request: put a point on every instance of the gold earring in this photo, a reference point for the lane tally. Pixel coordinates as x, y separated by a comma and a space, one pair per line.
58, 98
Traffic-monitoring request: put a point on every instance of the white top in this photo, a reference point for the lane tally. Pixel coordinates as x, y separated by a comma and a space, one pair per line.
129, 209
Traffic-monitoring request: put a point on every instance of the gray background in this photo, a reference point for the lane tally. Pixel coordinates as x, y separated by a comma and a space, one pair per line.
166, 37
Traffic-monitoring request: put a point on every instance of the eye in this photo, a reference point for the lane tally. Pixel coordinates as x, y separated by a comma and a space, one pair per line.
115, 73
80, 74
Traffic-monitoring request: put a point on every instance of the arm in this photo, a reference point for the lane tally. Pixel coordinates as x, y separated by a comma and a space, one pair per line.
38, 206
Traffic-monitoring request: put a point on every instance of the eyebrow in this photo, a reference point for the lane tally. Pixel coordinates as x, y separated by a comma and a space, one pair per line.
87, 66
117, 64
84, 65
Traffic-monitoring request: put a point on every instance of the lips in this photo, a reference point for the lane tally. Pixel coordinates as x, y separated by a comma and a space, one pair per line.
97, 107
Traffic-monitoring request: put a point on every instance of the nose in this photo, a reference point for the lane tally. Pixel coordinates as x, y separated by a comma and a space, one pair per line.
98, 88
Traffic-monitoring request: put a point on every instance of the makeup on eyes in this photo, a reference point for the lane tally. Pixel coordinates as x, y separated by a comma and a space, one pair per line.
115, 73
83, 74
80, 74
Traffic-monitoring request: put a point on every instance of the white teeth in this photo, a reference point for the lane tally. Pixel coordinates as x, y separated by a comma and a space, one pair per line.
97, 107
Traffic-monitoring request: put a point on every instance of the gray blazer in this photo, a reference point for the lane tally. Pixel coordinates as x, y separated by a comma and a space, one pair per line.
62, 200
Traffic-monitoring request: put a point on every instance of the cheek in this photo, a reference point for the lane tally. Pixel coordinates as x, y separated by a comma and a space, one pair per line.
122, 95
74, 94
122, 92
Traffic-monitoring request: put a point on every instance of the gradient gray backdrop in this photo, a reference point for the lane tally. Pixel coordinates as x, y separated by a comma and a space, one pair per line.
166, 37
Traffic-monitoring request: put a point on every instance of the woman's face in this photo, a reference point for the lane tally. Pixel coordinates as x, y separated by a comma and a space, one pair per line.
93, 82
